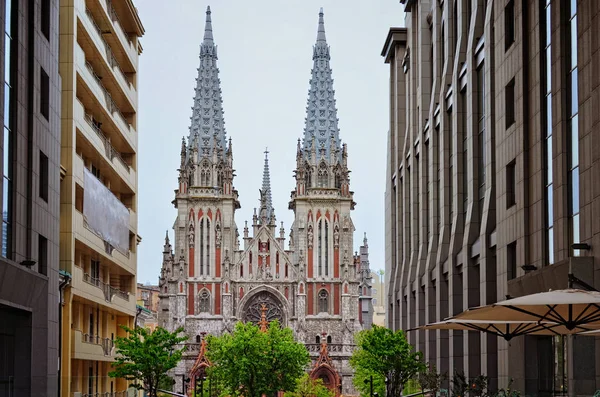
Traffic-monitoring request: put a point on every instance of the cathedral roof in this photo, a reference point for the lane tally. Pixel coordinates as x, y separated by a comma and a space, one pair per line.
321, 128
207, 129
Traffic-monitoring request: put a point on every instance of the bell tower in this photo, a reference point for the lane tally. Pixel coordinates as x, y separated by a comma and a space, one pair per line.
322, 200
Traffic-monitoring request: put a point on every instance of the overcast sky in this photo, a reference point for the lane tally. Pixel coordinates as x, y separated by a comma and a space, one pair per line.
265, 58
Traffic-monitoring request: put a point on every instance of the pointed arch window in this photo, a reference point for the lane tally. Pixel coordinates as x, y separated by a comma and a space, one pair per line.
323, 177
205, 179
326, 253
197, 338
207, 262
338, 180
328, 338
308, 180
204, 301
320, 247
323, 301
201, 245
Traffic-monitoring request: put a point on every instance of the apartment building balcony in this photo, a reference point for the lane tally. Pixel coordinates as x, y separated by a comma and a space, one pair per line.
92, 86
91, 347
113, 30
90, 38
97, 291
101, 143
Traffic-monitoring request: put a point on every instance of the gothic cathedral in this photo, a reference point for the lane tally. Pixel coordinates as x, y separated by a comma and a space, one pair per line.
317, 286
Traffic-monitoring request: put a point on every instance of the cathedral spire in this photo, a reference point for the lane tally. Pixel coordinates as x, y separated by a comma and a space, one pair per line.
208, 35
266, 197
321, 113
207, 130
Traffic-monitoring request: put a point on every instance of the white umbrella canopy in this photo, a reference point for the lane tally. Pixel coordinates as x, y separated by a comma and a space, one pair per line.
504, 329
573, 310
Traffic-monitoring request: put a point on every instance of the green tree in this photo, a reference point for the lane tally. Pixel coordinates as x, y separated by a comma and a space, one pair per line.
431, 380
146, 356
307, 387
251, 363
383, 354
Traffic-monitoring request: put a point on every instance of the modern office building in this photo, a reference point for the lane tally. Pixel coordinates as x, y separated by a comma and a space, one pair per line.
493, 178
29, 276
99, 50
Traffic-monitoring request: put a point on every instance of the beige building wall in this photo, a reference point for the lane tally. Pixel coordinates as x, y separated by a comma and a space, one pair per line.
492, 176
99, 50
378, 294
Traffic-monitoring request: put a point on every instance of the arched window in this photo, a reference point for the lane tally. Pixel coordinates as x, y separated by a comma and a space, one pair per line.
197, 338
338, 180
205, 179
204, 301
320, 247
241, 270
318, 339
326, 262
207, 263
323, 301
323, 176
328, 338
308, 180
201, 236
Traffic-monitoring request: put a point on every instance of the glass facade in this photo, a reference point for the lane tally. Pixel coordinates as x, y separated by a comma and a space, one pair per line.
573, 124
481, 136
8, 125
546, 33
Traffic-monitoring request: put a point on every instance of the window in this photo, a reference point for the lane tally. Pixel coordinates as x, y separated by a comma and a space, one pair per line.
95, 270
320, 248
511, 260
9, 83
78, 198
328, 338
45, 18
573, 126
95, 171
465, 154
42, 255
197, 338
481, 138
326, 261
44, 94
323, 176
509, 103
511, 182
207, 260
43, 176
204, 301
318, 339
323, 301
509, 24
546, 67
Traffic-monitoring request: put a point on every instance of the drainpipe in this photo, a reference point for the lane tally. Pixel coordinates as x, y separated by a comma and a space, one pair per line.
61, 288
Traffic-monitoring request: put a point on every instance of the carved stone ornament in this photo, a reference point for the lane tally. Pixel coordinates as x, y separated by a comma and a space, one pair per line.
191, 234
218, 236
253, 311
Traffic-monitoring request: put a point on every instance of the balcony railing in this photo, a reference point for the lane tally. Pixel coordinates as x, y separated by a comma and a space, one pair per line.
109, 149
106, 343
105, 394
109, 291
110, 56
112, 106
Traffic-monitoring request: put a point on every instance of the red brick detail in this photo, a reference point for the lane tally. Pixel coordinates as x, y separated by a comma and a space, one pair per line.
191, 260
241, 292
200, 214
345, 288
327, 215
191, 299
309, 298
217, 299
336, 299
336, 262
318, 214
209, 214
218, 262
310, 263
359, 312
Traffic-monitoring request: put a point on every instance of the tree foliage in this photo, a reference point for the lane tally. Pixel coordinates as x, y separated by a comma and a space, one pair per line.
383, 354
146, 356
307, 387
251, 363
431, 380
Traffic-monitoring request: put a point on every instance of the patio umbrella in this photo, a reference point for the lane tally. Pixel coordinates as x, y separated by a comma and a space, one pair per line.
504, 329
572, 310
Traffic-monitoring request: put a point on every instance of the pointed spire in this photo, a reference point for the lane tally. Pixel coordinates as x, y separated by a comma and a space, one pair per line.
321, 128
207, 130
167, 246
321, 30
266, 197
208, 35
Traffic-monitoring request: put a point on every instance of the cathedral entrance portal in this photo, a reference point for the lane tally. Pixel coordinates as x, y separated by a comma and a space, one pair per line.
274, 308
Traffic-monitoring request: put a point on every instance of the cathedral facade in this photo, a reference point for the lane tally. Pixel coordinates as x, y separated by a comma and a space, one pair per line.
213, 276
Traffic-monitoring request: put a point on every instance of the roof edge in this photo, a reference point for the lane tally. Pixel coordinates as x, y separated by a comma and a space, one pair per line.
396, 35
136, 17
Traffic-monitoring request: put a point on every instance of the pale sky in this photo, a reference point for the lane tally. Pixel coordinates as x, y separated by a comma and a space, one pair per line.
265, 58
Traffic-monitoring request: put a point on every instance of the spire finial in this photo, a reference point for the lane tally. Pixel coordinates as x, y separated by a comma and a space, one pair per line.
321, 31
208, 36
